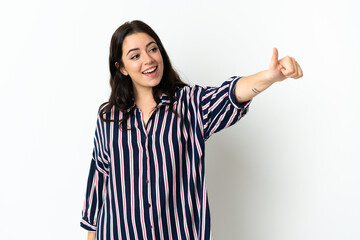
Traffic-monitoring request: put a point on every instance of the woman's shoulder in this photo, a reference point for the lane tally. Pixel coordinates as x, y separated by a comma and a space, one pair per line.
189, 89
107, 111
189, 93
103, 106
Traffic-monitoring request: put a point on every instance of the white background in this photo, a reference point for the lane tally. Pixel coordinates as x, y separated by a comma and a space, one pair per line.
288, 170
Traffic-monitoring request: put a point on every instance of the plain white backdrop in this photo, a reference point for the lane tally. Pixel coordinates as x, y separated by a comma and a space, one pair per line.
288, 170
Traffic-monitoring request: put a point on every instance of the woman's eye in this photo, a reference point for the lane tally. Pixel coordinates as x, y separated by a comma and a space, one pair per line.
154, 49
135, 56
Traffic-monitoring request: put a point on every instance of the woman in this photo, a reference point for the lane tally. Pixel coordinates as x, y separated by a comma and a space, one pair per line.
147, 174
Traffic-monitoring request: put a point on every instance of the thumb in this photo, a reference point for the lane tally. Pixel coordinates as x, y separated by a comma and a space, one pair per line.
274, 59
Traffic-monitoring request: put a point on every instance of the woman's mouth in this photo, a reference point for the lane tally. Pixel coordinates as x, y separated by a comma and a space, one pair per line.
150, 72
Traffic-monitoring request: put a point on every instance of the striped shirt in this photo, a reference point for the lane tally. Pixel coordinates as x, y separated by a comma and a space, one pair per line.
148, 182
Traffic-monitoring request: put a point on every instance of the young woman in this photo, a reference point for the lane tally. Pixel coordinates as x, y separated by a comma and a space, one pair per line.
147, 174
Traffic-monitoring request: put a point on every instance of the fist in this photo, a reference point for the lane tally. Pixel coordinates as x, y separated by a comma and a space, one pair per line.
284, 68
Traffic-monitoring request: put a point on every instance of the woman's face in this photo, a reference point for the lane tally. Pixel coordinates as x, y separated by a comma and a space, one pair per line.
142, 61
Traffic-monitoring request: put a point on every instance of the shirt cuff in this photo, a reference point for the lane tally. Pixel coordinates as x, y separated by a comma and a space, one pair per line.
232, 95
87, 226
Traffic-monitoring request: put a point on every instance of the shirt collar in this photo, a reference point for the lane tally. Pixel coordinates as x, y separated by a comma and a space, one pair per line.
164, 100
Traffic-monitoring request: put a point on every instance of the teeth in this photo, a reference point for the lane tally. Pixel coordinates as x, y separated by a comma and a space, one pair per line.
150, 70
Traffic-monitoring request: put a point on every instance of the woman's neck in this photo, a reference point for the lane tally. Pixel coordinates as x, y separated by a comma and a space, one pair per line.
145, 99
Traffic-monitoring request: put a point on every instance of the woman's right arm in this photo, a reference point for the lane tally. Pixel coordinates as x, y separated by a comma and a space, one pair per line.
279, 70
91, 236
97, 180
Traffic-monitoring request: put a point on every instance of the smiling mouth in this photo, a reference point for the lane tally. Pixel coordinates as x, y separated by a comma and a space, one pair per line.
151, 70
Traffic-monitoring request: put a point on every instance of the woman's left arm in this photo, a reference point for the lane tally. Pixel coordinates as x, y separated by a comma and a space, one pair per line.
279, 70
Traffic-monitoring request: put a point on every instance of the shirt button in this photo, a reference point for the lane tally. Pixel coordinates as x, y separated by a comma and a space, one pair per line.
147, 181
149, 205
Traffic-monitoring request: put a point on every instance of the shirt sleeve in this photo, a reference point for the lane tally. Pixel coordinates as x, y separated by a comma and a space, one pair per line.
97, 180
219, 107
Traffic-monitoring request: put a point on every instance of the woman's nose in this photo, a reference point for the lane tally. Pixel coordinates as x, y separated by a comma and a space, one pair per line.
148, 58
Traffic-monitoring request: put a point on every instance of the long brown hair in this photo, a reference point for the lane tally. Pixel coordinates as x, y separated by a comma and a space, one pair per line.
122, 93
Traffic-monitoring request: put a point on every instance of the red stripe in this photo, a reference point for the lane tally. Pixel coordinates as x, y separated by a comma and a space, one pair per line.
157, 183
112, 157
173, 165
165, 173
217, 102
92, 193
204, 211
122, 174
131, 164
140, 179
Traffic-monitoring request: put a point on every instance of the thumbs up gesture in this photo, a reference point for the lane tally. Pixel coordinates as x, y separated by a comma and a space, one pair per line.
279, 70
284, 68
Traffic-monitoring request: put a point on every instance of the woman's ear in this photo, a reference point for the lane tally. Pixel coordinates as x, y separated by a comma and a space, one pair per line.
121, 69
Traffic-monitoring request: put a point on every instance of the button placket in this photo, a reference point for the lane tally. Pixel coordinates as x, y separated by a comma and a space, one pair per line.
147, 182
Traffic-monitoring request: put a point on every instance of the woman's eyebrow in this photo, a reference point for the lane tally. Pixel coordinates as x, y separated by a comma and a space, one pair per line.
134, 49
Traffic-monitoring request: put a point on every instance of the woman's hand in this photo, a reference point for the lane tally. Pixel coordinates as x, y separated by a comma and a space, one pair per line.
284, 68
250, 86
91, 235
